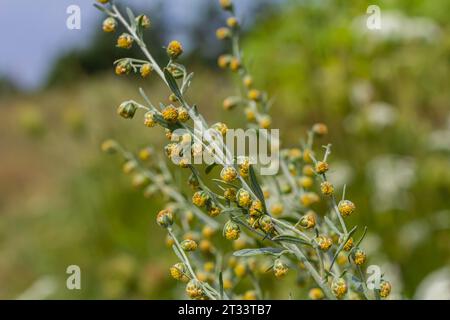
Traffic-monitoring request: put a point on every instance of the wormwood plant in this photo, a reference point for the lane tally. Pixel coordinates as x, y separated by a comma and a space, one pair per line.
269, 218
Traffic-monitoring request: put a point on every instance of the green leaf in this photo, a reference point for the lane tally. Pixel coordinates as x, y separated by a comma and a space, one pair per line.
256, 188
210, 167
291, 239
178, 253
132, 18
254, 252
173, 84
102, 9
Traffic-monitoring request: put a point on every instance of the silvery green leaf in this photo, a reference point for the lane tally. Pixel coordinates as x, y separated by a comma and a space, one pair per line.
132, 18
254, 252
172, 84
291, 239
256, 188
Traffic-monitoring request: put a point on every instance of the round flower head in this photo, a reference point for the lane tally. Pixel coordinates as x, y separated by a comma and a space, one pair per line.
200, 198
385, 288
308, 198
230, 102
208, 232
254, 95
244, 166
109, 146
170, 114
294, 154
109, 24
256, 208
129, 166
316, 294
326, 188
145, 70
209, 266
320, 129
127, 110
265, 121
232, 22
123, 67
307, 155
235, 64
164, 218
145, 153
230, 194
179, 272
103, 1
240, 270
324, 242
205, 246
226, 4
149, 120
308, 170
231, 230
125, 41
174, 49
339, 287
220, 127
228, 174
348, 245
194, 289
183, 114
308, 221
280, 269
249, 114
224, 61
188, 245
247, 81
305, 182
321, 167
223, 33
265, 223
346, 207
243, 198
143, 21
359, 256
276, 209
214, 211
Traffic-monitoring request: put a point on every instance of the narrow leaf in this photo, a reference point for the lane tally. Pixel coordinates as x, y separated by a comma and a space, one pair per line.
259, 251
173, 84
291, 239
210, 167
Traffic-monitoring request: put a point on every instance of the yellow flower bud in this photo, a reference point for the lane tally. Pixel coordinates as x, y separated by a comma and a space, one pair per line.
385, 288
194, 289
179, 272
339, 287
164, 218
125, 41
170, 114
109, 24
189, 245
174, 49
327, 188
280, 269
231, 230
321, 167
346, 207
145, 70
223, 33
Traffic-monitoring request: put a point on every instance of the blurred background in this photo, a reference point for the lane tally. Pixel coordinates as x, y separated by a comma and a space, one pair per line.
383, 93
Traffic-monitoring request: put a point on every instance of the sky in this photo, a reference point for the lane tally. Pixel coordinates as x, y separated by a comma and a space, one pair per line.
34, 32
